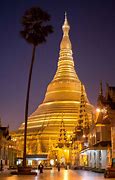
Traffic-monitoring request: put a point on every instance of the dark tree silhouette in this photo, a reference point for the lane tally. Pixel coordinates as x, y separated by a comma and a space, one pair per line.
34, 31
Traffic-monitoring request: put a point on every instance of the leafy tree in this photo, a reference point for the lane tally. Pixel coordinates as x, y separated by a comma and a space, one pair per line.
35, 31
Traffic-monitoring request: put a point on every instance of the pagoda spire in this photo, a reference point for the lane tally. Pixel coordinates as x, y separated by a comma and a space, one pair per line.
83, 121
65, 62
66, 26
100, 96
101, 89
65, 43
62, 136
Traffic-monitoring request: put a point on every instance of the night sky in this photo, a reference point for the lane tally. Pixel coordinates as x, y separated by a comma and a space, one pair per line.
92, 36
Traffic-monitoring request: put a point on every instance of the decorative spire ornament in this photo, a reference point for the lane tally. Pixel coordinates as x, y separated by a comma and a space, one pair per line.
82, 127
62, 136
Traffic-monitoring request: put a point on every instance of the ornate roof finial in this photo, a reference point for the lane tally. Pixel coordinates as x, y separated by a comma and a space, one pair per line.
101, 89
62, 136
65, 14
65, 17
100, 97
66, 26
107, 87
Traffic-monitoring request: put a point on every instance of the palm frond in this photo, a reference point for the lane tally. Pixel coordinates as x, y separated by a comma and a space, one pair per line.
34, 26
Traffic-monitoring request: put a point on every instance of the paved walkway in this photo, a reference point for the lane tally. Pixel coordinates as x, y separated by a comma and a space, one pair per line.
55, 175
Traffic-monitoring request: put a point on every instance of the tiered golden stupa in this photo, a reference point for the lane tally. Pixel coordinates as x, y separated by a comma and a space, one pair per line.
62, 100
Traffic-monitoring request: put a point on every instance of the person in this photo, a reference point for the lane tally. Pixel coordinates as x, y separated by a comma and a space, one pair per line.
58, 167
40, 168
1, 166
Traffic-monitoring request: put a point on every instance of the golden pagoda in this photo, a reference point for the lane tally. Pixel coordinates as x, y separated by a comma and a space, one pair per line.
62, 100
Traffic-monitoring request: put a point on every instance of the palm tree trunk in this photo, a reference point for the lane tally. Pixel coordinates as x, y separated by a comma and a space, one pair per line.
27, 104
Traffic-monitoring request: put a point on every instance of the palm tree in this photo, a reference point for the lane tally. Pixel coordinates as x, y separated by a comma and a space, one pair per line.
34, 31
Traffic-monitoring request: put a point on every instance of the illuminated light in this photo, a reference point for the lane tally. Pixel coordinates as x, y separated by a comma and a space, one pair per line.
98, 110
18, 162
68, 135
62, 91
32, 126
52, 162
66, 175
104, 110
99, 124
39, 162
84, 136
32, 122
62, 102
29, 162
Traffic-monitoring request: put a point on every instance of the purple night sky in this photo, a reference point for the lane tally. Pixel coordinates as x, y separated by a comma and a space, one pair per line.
92, 36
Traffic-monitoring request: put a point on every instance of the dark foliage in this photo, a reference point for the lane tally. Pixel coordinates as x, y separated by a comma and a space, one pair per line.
35, 30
